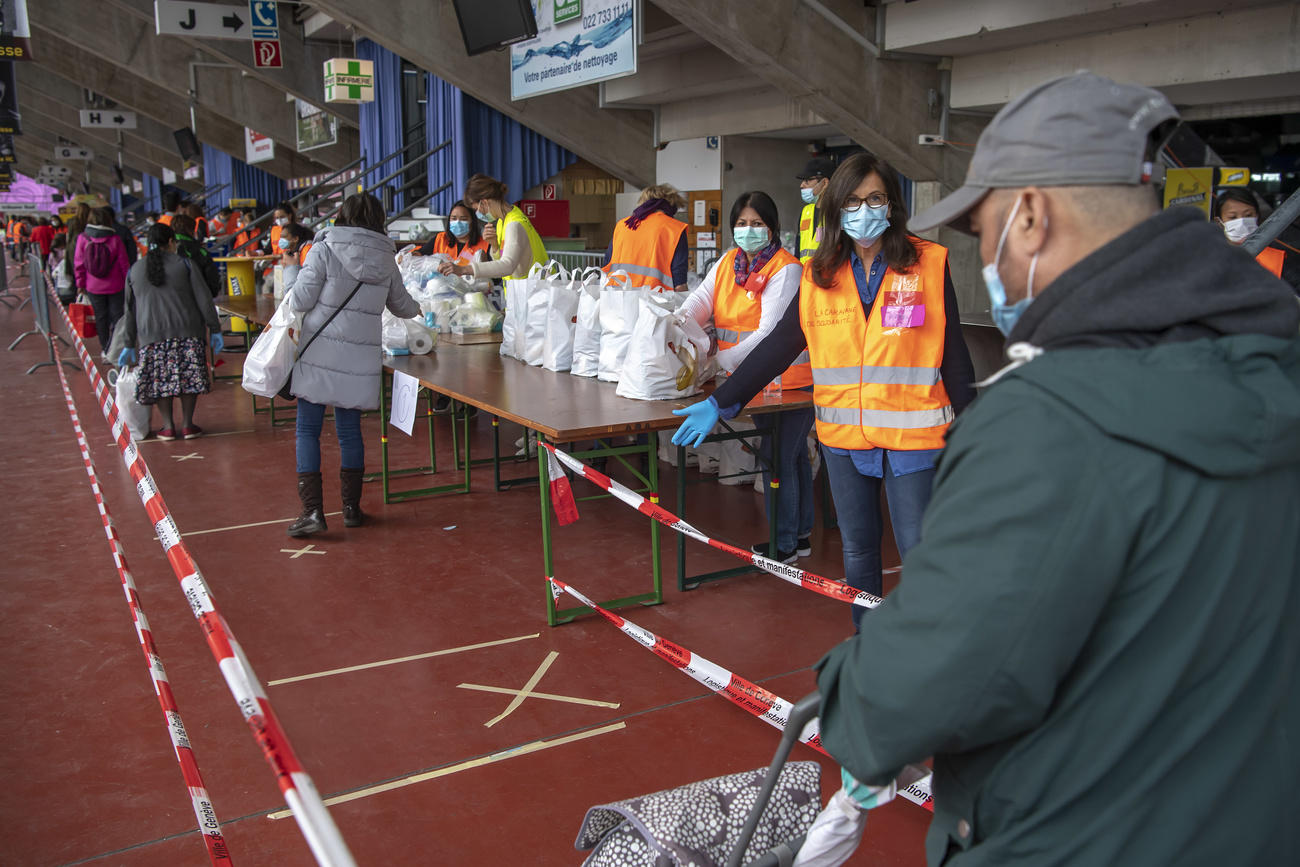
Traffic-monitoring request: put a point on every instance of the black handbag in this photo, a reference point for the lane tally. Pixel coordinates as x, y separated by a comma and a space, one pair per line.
286, 392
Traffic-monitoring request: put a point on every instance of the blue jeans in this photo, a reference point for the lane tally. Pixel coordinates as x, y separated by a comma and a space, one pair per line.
857, 505
347, 424
794, 498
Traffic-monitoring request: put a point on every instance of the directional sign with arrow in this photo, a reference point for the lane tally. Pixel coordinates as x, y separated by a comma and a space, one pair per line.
103, 117
203, 20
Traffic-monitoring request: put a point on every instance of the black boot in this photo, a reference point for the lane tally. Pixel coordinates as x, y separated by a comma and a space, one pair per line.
312, 519
350, 482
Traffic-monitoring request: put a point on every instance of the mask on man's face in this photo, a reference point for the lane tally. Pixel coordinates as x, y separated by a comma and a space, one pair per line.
1006, 315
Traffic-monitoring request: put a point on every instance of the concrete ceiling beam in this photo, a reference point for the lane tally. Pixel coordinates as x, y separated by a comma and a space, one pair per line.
102, 148
129, 44
882, 104
136, 93
302, 75
428, 35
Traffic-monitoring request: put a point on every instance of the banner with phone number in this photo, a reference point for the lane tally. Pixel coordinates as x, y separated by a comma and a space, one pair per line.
578, 42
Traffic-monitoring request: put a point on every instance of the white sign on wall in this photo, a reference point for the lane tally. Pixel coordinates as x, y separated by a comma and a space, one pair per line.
168, 176
257, 147
596, 45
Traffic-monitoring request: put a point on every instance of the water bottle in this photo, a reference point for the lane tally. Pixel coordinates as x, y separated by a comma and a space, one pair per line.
773, 388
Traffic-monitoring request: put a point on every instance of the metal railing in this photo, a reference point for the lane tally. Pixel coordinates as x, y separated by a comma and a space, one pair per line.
386, 178
577, 260
1268, 231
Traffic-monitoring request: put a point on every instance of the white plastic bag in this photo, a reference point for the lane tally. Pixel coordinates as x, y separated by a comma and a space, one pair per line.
561, 323
586, 331
270, 361
135, 415
662, 359
620, 305
541, 279
514, 299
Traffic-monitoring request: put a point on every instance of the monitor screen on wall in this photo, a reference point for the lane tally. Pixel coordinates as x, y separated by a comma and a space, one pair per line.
486, 25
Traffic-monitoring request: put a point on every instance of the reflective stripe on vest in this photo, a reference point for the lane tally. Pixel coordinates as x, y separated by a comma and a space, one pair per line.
535, 245
646, 252
900, 419
876, 375
878, 387
737, 316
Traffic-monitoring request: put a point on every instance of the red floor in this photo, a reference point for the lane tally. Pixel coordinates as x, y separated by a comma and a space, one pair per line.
90, 773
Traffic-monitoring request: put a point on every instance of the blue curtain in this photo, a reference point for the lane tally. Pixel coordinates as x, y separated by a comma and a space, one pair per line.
444, 113
250, 182
152, 193
381, 120
217, 170
115, 199
509, 151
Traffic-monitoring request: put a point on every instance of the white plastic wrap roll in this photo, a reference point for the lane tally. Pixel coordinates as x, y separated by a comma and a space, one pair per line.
419, 339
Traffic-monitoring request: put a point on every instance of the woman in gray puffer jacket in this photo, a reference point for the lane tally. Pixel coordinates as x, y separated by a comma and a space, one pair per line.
341, 368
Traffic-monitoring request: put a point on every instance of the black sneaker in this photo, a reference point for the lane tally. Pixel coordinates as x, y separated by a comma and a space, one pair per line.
781, 556
804, 548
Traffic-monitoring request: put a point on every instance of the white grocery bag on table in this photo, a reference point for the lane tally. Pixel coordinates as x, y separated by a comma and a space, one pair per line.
665, 353
620, 305
270, 360
561, 323
586, 331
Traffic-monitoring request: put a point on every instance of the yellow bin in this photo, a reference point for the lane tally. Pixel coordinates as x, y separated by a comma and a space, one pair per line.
241, 279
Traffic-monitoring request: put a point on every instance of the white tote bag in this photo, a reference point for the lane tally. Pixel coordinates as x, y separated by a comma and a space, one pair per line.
540, 280
515, 297
270, 361
620, 305
586, 331
662, 360
561, 323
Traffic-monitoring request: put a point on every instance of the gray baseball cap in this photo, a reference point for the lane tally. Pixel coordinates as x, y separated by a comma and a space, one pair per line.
1076, 130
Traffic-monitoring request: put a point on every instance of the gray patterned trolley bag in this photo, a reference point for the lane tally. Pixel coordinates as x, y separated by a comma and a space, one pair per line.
757, 814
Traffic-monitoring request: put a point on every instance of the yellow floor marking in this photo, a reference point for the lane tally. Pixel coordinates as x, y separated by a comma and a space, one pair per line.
246, 526
526, 691
533, 747
546, 695
395, 661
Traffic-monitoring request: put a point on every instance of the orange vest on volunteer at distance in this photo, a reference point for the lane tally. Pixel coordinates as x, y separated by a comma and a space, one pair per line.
736, 315
302, 252
440, 245
646, 252
1272, 259
875, 384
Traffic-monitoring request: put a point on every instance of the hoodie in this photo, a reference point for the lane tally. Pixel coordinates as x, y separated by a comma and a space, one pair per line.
341, 368
1095, 638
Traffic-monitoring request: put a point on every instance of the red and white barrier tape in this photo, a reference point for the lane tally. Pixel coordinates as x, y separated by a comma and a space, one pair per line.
792, 574
749, 696
314, 820
209, 826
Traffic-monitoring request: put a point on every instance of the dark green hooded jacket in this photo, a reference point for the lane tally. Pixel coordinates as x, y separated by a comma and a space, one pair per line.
1097, 637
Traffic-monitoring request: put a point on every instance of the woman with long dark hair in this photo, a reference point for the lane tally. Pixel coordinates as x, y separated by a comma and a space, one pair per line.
877, 314
512, 238
168, 314
745, 294
349, 277
462, 240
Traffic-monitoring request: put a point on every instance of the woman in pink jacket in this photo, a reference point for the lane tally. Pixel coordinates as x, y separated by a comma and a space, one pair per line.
101, 264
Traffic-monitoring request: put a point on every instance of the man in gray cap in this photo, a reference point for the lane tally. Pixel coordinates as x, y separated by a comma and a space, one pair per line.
1096, 638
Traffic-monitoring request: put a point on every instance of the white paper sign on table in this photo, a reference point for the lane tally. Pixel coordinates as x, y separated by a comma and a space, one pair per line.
406, 393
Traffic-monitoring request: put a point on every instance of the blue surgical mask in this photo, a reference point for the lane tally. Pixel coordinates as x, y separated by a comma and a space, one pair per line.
866, 224
283, 243
486, 218
808, 196
1005, 316
459, 228
751, 239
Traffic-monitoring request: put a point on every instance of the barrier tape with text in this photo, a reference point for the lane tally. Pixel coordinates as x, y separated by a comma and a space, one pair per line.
314, 820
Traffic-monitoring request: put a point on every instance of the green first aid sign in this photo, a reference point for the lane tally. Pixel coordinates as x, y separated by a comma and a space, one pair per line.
349, 80
567, 10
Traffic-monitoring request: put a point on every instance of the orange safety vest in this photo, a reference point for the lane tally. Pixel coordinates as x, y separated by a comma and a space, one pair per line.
646, 252
1272, 259
302, 252
165, 219
457, 253
877, 384
240, 239
736, 315
275, 235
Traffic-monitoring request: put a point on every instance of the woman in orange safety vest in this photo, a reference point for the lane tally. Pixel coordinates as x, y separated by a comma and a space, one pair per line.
1237, 212
650, 245
745, 294
877, 314
462, 240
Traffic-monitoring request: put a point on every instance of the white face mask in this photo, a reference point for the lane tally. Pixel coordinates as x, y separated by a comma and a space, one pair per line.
1240, 229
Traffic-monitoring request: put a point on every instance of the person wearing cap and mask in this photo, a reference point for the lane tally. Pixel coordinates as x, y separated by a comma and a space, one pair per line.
813, 181
1096, 637
876, 318
1237, 213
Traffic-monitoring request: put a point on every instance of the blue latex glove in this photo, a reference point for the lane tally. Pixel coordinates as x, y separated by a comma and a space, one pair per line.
217, 341
701, 418
127, 358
